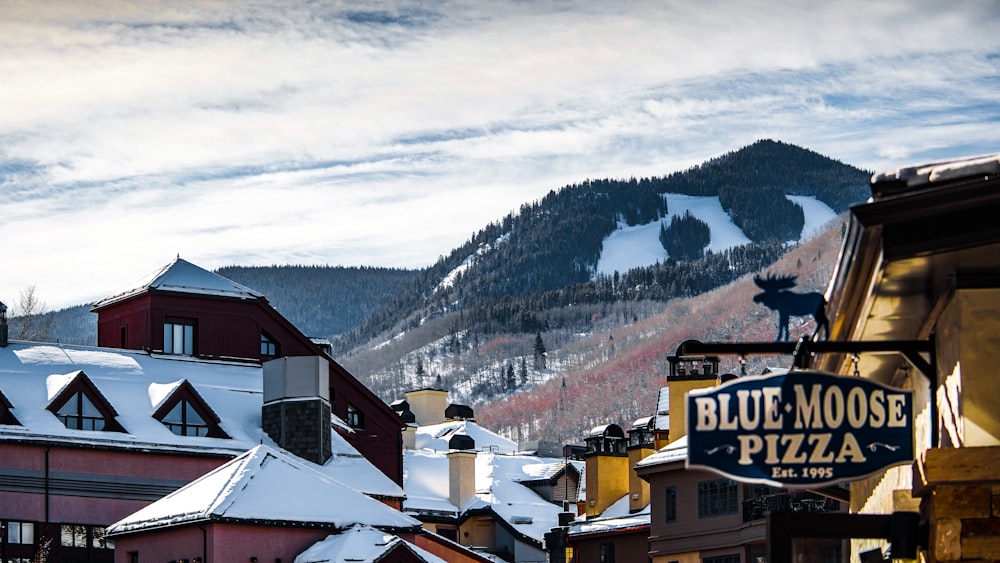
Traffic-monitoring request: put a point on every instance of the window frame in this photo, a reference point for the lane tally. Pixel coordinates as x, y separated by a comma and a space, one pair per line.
670, 504
186, 329
74, 533
269, 347
81, 384
718, 497
355, 418
20, 525
186, 393
6, 416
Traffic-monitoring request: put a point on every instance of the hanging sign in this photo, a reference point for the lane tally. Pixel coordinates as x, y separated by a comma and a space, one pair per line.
799, 429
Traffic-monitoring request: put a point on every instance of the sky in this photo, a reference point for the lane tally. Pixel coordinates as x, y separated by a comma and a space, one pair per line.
387, 133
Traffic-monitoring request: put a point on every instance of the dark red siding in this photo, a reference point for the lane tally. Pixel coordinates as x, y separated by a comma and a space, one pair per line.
227, 328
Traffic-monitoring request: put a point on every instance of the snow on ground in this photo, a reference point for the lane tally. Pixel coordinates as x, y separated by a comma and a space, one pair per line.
817, 214
639, 246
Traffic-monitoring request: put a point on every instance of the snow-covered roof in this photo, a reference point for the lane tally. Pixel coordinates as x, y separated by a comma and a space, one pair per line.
269, 485
662, 421
944, 171
499, 486
181, 276
360, 544
436, 437
134, 383
615, 518
674, 451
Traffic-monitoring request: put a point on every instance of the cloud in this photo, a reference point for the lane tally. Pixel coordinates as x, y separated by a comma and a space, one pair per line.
386, 133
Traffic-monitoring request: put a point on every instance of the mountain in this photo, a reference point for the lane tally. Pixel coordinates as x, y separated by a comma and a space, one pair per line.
610, 371
547, 254
535, 300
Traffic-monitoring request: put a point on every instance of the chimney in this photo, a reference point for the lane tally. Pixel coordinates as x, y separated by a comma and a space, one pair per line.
607, 467
3, 325
427, 405
461, 471
296, 410
640, 444
687, 373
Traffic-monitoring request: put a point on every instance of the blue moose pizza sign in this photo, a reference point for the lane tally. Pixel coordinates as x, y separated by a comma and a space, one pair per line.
799, 429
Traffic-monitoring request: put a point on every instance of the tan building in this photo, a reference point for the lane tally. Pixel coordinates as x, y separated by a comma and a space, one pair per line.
921, 266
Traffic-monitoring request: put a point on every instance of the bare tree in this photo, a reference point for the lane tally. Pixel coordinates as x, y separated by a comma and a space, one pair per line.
29, 317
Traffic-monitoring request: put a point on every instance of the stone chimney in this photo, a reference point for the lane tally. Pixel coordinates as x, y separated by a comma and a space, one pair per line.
427, 405
461, 472
296, 410
3, 325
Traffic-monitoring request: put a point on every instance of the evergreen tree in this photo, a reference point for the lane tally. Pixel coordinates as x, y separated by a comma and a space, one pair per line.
539, 352
420, 371
523, 373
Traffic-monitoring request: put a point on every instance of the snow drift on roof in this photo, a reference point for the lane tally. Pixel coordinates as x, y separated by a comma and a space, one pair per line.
265, 484
362, 544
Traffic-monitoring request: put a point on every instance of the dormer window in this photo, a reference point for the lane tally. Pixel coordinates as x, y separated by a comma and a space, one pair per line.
184, 420
355, 418
268, 347
80, 413
182, 410
80, 406
7, 417
178, 337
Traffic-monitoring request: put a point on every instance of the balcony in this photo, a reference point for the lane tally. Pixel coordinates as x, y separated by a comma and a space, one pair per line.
758, 507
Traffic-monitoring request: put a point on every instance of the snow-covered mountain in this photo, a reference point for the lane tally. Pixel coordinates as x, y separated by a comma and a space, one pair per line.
639, 246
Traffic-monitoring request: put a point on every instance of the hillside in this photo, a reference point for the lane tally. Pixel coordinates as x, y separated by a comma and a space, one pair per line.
548, 253
612, 372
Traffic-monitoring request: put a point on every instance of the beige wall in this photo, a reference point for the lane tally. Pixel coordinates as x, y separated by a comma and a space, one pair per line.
427, 405
968, 358
607, 481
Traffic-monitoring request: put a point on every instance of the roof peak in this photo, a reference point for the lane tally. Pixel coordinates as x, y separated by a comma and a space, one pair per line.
266, 484
181, 276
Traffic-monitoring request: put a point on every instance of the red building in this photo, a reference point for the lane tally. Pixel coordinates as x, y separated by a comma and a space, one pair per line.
90, 435
186, 310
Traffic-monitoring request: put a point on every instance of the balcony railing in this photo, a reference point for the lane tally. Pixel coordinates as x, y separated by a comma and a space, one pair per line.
757, 508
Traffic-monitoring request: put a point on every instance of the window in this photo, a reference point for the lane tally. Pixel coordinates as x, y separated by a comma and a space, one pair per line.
73, 535
80, 413
80, 406
268, 347
607, 554
184, 420
733, 558
670, 504
20, 533
716, 498
178, 339
186, 413
7, 417
101, 540
355, 418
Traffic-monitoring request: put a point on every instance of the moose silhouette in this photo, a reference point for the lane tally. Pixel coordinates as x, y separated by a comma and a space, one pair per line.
789, 303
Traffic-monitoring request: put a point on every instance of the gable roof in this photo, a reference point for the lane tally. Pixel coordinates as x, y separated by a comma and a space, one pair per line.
181, 276
361, 544
674, 451
134, 383
499, 488
265, 486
